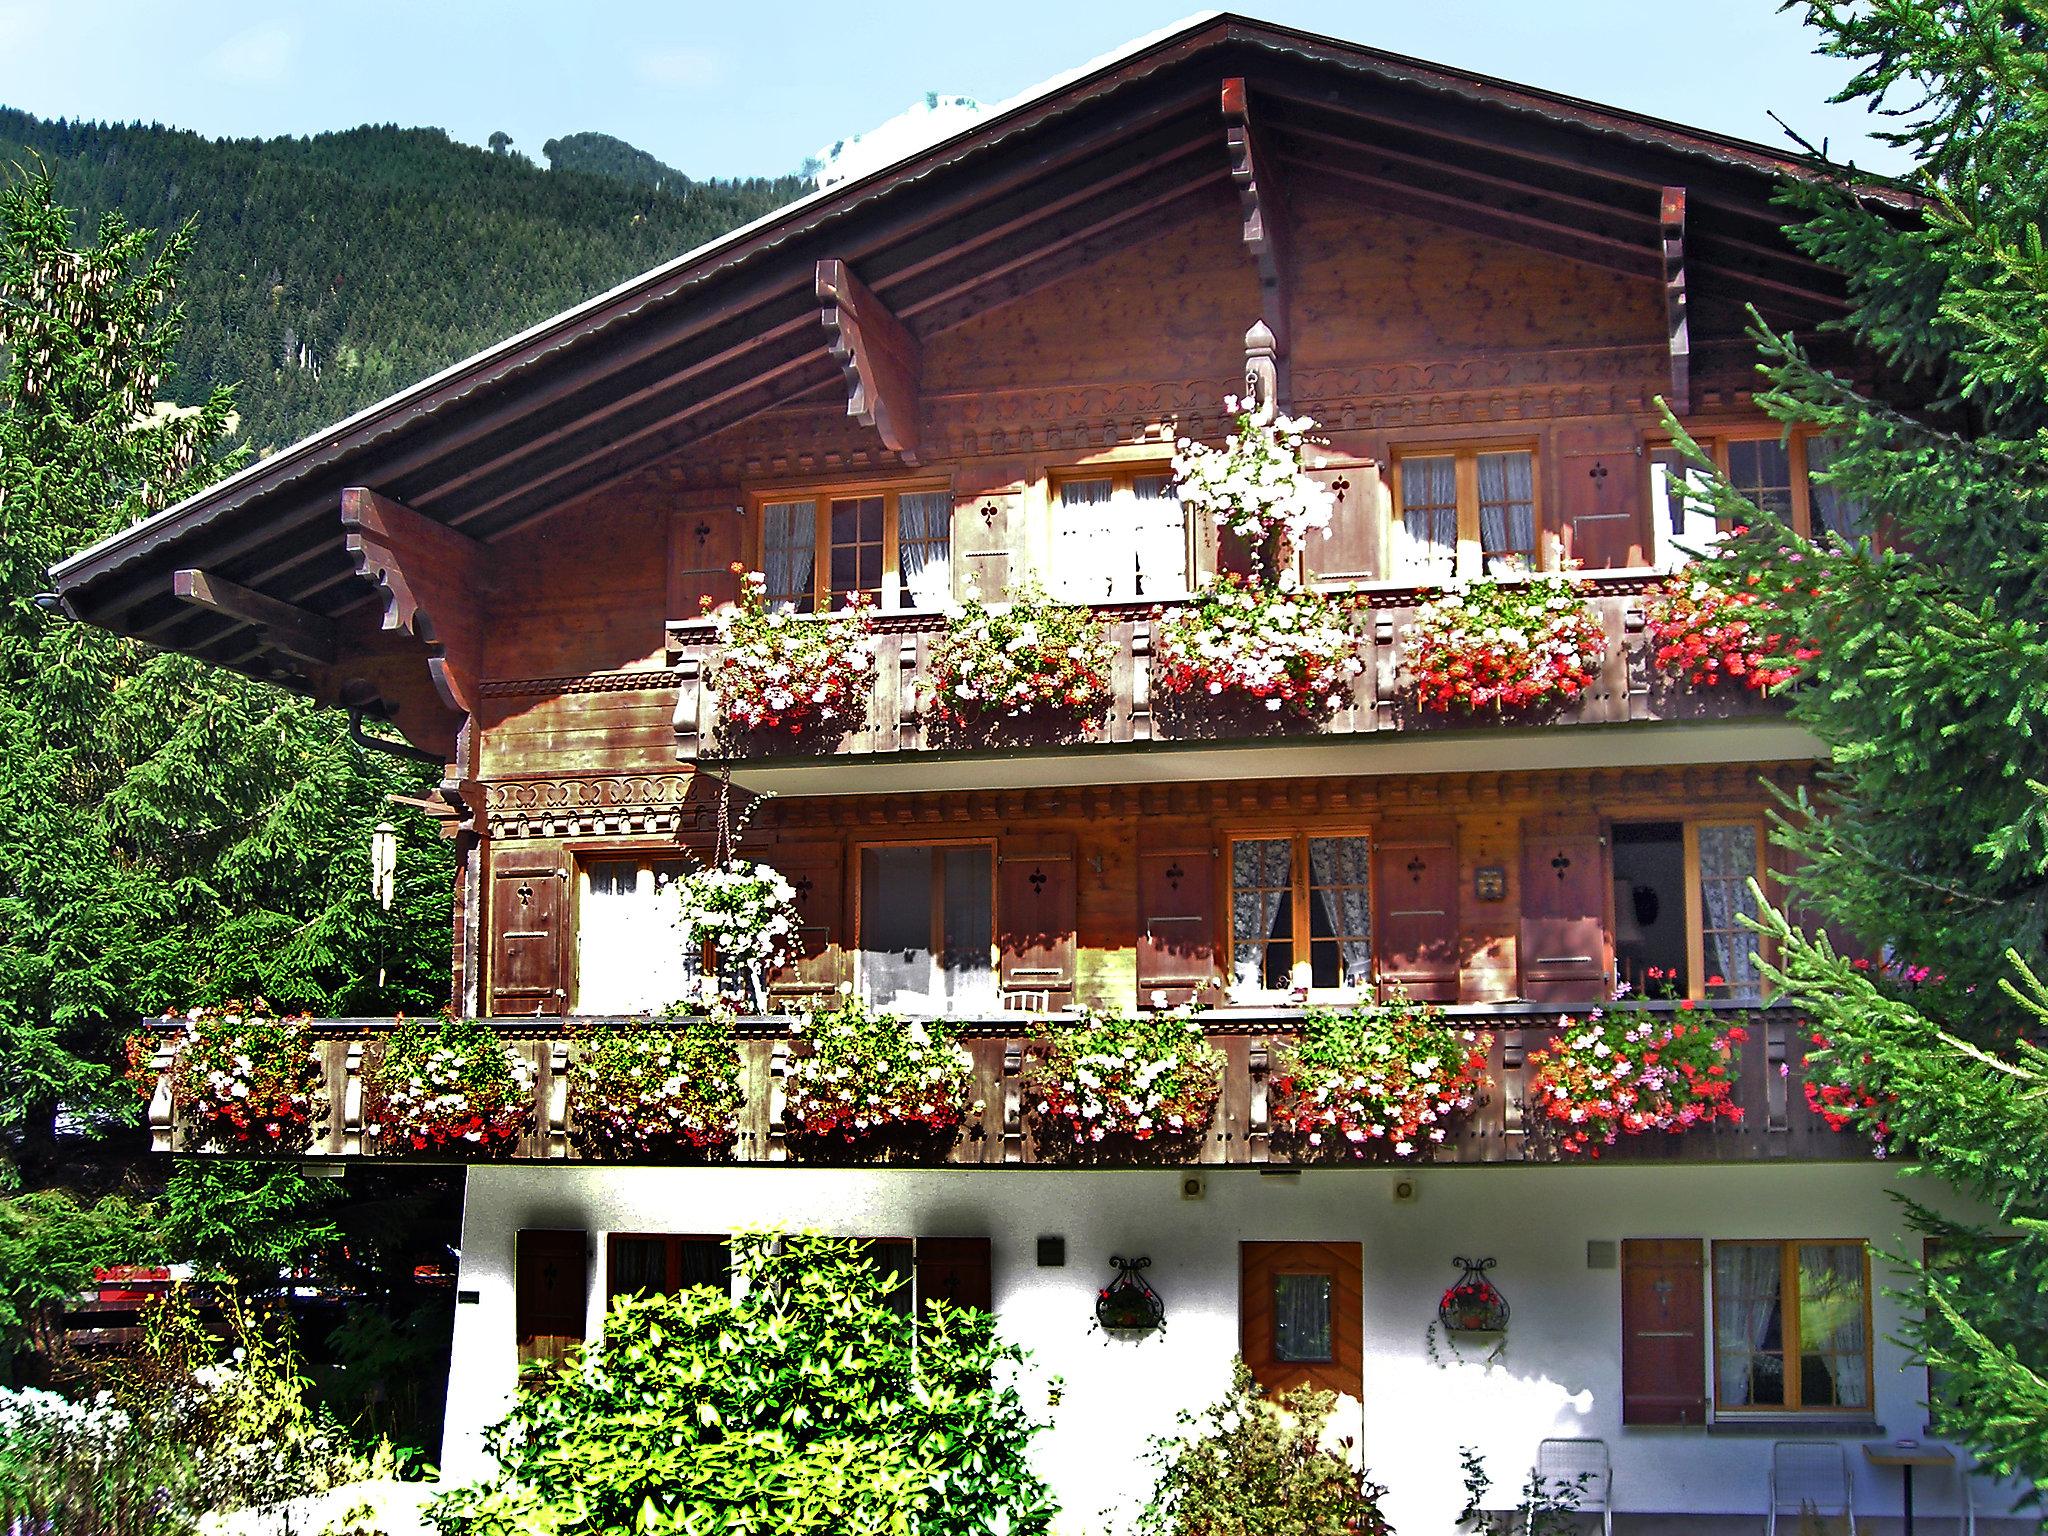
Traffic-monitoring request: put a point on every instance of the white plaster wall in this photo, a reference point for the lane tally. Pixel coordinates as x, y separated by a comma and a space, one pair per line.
1561, 1374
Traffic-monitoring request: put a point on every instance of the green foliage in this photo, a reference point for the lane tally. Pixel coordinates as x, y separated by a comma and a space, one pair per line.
50, 1245
808, 1404
1931, 684
1547, 1508
599, 154
246, 1221
1250, 1465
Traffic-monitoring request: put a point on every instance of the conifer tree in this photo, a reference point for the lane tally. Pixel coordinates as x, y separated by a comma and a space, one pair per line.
1926, 852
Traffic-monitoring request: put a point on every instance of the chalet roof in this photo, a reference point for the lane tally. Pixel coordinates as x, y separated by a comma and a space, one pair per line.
1036, 191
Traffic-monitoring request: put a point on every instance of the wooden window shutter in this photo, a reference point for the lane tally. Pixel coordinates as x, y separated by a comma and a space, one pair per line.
988, 545
1663, 1331
1176, 923
526, 934
1565, 888
1600, 480
817, 872
1035, 913
550, 1292
955, 1269
704, 543
1415, 896
1351, 552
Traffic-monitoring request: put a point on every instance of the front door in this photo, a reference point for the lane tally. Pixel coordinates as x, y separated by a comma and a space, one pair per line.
1302, 1317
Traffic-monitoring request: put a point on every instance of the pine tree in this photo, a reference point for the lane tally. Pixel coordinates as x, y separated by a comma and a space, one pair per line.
1928, 842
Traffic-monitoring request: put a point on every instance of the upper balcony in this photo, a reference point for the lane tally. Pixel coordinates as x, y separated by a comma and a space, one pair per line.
1633, 715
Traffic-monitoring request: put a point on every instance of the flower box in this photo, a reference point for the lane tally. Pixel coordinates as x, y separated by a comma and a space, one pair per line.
669, 1089
1714, 634
244, 1079
792, 674
447, 1086
1377, 1081
1519, 645
1625, 1071
867, 1085
1034, 659
1117, 1083
1275, 650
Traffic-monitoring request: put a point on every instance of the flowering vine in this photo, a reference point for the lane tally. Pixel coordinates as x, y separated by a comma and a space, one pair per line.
1505, 645
667, 1088
1257, 486
246, 1078
1377, 1079
1034, 656
797, 673
866, 1073
1625, 1071
1111, 1075
448, 1086
1293, 650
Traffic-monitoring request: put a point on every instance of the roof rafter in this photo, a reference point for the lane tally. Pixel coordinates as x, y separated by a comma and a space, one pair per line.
1677, 324
1255, 171
883, 362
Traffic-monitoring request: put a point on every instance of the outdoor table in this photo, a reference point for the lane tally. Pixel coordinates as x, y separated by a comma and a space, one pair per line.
1883, 1453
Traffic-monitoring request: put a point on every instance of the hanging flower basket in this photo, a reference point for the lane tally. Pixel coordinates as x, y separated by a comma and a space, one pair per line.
667, 1090
246, 1080
1378, 1080
447, 1086
1123, 1081
1715, 634
1504, 646
872, 1085
1474, 1304
1276, 650
1629, 1072
746, 914
1034, 659
1256, 486
796, 674
1128, 1305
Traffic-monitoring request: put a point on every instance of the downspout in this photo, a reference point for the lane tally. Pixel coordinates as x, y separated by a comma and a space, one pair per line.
410, 753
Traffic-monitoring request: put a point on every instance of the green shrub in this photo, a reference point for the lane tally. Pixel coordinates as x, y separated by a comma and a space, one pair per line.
1249, 1465
807, 1404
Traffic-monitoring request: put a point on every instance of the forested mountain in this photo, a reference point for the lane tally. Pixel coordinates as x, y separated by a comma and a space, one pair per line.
330, 271
599, 154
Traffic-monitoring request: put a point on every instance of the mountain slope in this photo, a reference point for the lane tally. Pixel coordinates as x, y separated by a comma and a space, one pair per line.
335, 269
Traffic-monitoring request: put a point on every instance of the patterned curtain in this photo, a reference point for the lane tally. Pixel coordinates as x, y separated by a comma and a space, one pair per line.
1339, 870
1260, 876
1836, 516
1507, 506
924, 535
789, 553
1429, 513
1728, 862
1832, 1336
1301, 1317
1747, 1323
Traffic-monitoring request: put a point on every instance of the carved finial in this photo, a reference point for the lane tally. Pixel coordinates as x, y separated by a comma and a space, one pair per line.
1261, 373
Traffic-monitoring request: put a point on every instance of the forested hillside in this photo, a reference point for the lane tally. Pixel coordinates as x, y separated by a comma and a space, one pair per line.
330, 271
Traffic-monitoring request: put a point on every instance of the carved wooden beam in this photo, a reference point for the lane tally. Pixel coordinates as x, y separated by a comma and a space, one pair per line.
433, 579
1256, 172
1672, 218
882, 360
298, 633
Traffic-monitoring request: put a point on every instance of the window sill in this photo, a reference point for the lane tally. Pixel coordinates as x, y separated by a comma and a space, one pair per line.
1795, 1427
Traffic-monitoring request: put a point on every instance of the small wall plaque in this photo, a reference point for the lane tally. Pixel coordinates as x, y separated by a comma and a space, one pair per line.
1052, 1252
469, 1298
1490, 883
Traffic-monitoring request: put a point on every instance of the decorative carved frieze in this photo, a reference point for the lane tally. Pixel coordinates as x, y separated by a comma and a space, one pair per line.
607, 805
590, 682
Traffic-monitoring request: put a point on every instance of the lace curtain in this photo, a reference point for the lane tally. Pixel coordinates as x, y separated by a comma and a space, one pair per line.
789, 553
1340, 880
1507, 507
1084, 569
1260, 882
632, 954
1747, 1324
924, 547
1728, 862
1843, 518
1429, 513
1832, 1335
1160, 530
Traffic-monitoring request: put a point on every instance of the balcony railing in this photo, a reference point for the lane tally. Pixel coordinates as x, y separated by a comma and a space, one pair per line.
1629, 688
1776, 1122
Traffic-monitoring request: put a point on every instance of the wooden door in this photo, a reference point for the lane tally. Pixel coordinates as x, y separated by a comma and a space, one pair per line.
1301, 1317
1565, 892
526, 934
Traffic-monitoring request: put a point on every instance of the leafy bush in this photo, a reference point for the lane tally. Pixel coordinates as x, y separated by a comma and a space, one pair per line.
1249, 1465
663, 1090
807, 1404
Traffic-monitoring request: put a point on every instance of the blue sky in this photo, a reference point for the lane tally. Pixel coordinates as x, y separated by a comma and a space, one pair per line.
754, 86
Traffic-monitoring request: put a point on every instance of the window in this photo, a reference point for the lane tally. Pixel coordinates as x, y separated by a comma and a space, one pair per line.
631, 955
1681, 897
1831, 514
659, 1265
1789, 479
1464, 514
1791, 1326
1118, 536
894, 545
1683, 519
1300, 914
1727, 856
927, 927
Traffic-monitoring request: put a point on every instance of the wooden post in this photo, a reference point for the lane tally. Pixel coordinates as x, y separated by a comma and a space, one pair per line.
558, 1100
1259, 1124
163, 1128
352, 1101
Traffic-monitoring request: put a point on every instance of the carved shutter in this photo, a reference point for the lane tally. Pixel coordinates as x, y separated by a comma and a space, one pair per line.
1564, 907
1176, 923
988, 545
550, 1290
955, 1269
1035, 900
1351, 552
1415, 880
1601, 514
704, 543
1663, 1331
816, 870
526, 934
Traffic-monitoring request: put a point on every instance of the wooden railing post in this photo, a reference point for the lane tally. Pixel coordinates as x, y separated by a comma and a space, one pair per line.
778, 1102
352, 1100
558, 1099
909, 718
689, 708
1259, 1123
1141, 680
1013, 1101
1386, 669
1514, 1129
1777, 1085
163, 1128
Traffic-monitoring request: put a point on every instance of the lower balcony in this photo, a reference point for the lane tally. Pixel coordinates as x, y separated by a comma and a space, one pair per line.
998, 1131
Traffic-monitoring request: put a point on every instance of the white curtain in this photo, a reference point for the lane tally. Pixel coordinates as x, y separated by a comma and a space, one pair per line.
1160, 528
1429, 514
632, 954
1301, 1317
1835, 516
1831, 1326
1684, 522
1728, 862
1087, 565
1260, 878
789, 552
924, 531
1507, 507
966, 974
1746, 1316
1340, 880
899, 967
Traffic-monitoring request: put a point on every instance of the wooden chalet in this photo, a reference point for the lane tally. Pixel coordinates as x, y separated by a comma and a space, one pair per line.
970, 368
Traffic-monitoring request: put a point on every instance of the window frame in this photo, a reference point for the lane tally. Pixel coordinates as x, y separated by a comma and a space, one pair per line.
1123, 475
1716, 440
1788, 1325
1695, 903
856, 871
1468, 560
1301, 877
821, 495
672, 1258
578, 858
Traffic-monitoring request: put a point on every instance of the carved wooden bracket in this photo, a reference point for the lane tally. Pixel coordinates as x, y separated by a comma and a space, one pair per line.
433, 578
1259, 1125
778, 1102
1671, 217
163, 1129
558, 1099
882, 360
1256, 173
1013, 1101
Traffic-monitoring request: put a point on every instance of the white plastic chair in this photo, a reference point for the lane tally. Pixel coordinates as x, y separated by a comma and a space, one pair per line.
1582, 1465
1810, 1475
1027, 1002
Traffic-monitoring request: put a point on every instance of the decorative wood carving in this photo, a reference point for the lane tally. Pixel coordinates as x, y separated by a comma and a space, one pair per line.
558, 1099
432, 578
163, 1128
286, 627
589, 682
582, 807
1257, 177
1672, 218
883, 362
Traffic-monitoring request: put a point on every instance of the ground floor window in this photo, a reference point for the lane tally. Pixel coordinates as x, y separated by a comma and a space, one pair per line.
1791, 1325
927, 927
631, 954
652, 1264
1301, 1316
1681, 900
1300, 914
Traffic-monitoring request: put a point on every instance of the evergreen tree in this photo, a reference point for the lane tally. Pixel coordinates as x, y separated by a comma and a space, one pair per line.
1929, 843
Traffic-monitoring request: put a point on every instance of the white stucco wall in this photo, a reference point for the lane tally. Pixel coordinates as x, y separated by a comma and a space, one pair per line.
1561, 1374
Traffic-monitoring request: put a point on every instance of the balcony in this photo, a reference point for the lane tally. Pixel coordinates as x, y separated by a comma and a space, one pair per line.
1776, 1123
1632, 716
